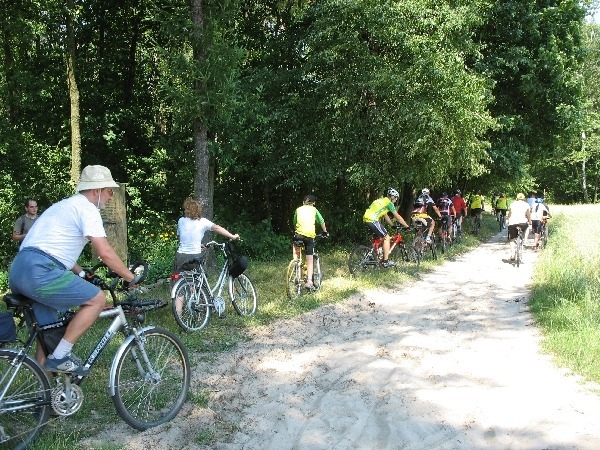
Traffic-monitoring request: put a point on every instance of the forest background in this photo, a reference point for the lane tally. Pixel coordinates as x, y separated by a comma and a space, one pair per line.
249, 105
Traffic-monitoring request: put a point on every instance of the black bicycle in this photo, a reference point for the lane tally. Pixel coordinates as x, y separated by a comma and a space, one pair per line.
149, 377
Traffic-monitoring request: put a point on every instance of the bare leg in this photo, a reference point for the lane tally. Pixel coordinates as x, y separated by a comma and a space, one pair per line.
85, 317
309, 269
386, 247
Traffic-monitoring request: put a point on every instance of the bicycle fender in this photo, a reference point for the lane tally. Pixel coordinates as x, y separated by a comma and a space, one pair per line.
113, 367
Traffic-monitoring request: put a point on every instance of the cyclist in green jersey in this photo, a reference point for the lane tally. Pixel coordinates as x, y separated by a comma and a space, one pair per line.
501, 205
305, 219
372, 220
476, 206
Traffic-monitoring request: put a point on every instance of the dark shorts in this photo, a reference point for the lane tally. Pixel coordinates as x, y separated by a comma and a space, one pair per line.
536, 226
474, 212
501, 211
46, 280
512, 230
376, 228
446, 219
309, 243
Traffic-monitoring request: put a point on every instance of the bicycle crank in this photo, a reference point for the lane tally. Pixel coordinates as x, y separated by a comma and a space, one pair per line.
67, 398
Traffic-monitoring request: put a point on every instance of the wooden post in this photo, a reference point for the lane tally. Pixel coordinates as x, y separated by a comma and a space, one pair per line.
114, 217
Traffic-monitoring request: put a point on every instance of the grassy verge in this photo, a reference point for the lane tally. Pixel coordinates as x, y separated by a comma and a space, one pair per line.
221, 335
566, 294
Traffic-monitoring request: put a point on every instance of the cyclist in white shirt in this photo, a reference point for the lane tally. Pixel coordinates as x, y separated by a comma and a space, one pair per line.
519, 215
538, 212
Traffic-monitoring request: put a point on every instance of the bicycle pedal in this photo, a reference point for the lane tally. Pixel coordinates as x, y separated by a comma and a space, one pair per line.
219, 304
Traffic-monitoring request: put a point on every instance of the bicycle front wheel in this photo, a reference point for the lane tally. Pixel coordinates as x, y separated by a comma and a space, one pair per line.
25, 407
191, 305
243, 295
151, 380
362, 260
293, 280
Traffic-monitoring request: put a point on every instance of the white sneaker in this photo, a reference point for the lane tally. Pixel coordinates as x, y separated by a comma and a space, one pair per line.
428, 239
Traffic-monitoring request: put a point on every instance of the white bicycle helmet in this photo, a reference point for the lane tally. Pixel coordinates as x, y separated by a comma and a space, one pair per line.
425, 191
393, 192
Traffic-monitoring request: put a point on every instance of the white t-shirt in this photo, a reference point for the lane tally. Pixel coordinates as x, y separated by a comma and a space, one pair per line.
518, 210
63, 229
537, 212
191, 232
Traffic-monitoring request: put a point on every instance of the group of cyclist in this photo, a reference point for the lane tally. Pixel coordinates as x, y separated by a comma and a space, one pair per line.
46, 269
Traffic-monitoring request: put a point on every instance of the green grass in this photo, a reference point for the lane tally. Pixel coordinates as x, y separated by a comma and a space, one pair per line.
566, 291
221, 335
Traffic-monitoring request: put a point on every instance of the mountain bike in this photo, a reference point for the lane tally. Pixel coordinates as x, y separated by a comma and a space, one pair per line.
501, 216
420, 244
365, 258
296, 276
195, 298
477, 224
446, 240
148, 380
543, 241
456, 231
519, 240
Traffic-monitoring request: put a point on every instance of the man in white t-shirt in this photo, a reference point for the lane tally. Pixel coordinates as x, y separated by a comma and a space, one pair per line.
46, 269
519, 215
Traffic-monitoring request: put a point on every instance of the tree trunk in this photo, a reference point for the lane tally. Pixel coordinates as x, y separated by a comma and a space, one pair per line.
204, 170
73, 96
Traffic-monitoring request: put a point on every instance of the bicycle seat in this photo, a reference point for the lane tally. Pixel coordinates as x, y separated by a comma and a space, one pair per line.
17, 300
298, 243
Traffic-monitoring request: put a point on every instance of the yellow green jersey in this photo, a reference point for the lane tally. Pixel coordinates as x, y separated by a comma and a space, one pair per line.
476, 202
378, 208
305, 219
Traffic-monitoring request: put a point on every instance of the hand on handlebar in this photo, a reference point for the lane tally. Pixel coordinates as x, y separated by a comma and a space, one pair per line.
133, 283
324, 234
90, 277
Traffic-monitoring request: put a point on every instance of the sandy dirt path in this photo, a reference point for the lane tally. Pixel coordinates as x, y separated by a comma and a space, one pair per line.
451, 361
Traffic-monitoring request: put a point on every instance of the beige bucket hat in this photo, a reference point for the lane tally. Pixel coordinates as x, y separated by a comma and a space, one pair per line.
95, 177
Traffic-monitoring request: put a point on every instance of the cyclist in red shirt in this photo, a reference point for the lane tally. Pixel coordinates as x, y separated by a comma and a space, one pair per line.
461, 208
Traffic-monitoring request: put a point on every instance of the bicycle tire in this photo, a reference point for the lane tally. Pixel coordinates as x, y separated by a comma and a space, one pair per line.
25, 409
361, 260
243, 295
317, 274
191, 305
433, 247
404, 256
444, 241
543, 238
293, 280
417, 245
146, 397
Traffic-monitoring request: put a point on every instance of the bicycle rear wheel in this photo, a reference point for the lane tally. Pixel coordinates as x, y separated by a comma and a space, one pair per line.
151, 380
405, 256
191, 305
418, 245
294, 280
362, 260
433, 247
25, 408
317, 274
243, 295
